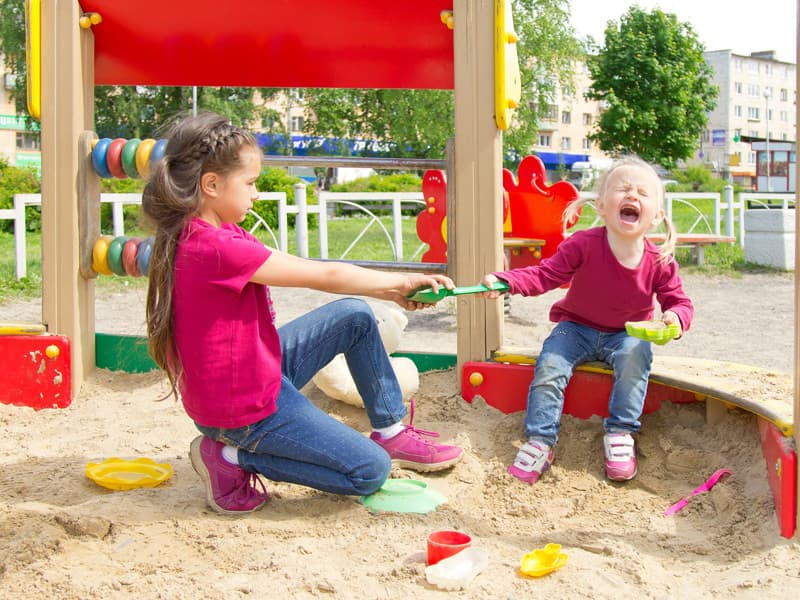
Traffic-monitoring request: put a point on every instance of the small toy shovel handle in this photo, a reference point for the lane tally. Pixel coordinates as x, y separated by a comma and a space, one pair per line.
428, 296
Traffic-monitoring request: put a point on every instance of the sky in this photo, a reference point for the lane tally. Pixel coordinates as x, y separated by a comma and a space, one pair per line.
743, 26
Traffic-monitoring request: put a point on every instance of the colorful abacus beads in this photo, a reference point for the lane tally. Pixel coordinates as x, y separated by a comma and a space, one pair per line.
122, 255
123, 158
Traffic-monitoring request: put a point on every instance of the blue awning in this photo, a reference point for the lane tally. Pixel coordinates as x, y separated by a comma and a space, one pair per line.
552, 160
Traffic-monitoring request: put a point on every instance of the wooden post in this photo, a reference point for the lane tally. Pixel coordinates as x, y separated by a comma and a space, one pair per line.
476, 245
67, 110
797, 317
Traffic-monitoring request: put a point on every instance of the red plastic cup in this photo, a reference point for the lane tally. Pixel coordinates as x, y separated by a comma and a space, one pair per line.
442, 544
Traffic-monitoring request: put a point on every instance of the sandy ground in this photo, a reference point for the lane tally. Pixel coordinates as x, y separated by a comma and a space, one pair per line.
62, 536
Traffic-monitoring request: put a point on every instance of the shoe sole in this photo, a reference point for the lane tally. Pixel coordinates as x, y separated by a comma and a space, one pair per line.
426, 467
636, 472
196, 458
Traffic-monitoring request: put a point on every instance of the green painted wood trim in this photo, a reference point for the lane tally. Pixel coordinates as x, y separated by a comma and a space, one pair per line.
122, 353
430, 362
128, 353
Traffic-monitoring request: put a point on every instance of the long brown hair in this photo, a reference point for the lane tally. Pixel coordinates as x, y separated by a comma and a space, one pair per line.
196, 145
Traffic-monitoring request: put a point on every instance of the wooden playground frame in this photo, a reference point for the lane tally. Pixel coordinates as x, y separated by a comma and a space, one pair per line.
75, 58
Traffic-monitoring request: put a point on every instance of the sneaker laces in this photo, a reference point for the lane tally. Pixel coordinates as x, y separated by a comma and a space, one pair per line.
415, 432
245, 488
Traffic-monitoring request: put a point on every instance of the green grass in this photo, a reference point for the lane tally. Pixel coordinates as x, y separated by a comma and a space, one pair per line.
722, 259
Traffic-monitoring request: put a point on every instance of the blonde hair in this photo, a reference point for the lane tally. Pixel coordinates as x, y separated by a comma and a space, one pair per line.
572, 212
196, 145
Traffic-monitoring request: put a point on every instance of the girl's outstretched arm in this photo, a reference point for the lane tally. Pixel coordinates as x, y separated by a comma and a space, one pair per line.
286, 270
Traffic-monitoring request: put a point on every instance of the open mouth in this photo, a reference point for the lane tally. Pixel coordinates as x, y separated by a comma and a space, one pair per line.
629, 214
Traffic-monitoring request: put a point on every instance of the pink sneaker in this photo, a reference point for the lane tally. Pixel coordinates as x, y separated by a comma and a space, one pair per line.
620, 451
230, 489
410, 449
533, 459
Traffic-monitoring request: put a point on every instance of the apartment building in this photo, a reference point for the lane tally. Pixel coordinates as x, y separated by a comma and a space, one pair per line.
19, 145
562, 142
751, 135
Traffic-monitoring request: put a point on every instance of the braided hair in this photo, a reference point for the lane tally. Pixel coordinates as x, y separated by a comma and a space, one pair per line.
196, 145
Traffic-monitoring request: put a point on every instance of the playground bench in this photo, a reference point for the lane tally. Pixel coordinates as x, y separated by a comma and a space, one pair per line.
697, 241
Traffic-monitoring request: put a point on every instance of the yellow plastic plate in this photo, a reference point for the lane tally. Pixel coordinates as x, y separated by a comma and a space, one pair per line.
654, 331
127, 474
543, 561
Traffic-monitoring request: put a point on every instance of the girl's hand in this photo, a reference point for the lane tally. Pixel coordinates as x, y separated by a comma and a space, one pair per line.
670, 318
414, 282
488, 280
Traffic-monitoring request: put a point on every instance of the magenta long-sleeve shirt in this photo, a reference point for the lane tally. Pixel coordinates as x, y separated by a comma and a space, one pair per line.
603, 294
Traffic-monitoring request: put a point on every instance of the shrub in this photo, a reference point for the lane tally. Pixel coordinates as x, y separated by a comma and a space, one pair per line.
16, 180
397, 182
275, 179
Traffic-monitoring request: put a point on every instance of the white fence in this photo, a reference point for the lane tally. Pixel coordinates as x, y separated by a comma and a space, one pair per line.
356, 201
724, 209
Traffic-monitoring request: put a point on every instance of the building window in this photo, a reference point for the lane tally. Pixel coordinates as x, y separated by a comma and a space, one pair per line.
737, 87
566, 143
753, 89
587, 118
298, 93
784, 94
297, 123
28, 141
566, 117
737, 110
551, 113
753, 113
737, 64
544, 140
586, 144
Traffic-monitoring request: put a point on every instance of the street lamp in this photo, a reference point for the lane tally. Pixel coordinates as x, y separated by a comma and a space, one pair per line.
767, 94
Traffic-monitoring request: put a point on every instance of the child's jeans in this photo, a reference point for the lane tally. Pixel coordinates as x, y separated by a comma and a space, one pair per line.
570, 344
302, 444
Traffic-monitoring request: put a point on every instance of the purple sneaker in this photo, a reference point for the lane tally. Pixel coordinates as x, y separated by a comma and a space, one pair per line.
230, 490
620, 451
533, 459
412, 450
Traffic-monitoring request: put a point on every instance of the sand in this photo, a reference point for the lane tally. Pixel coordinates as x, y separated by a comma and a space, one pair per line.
62, 536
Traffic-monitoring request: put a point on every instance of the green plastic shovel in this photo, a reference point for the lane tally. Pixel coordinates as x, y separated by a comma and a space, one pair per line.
428, 296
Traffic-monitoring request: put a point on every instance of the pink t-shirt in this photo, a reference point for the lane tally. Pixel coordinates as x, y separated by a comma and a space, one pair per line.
603, 293
224, 327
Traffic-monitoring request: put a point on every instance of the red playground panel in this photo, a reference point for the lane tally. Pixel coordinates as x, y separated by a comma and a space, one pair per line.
781, 474
36, 371
505, 387
280, 43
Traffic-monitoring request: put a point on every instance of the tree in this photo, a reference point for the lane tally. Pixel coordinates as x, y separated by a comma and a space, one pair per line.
655, 85
127, 111
418, 123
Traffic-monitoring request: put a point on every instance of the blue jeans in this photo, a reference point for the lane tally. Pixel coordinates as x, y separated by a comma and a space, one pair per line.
302, 444
570, 344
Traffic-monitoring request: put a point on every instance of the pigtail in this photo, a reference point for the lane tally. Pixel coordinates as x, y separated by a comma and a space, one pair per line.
666, 250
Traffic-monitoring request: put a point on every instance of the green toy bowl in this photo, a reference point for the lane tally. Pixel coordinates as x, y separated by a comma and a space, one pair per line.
654, 331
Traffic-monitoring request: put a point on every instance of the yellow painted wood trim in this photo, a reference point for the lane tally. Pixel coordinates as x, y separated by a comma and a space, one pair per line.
33, 56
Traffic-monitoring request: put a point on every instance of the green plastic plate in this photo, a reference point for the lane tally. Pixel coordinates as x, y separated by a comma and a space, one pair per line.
404, 496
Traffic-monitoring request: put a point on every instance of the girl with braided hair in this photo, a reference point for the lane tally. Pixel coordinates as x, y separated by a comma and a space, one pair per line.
211, 327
